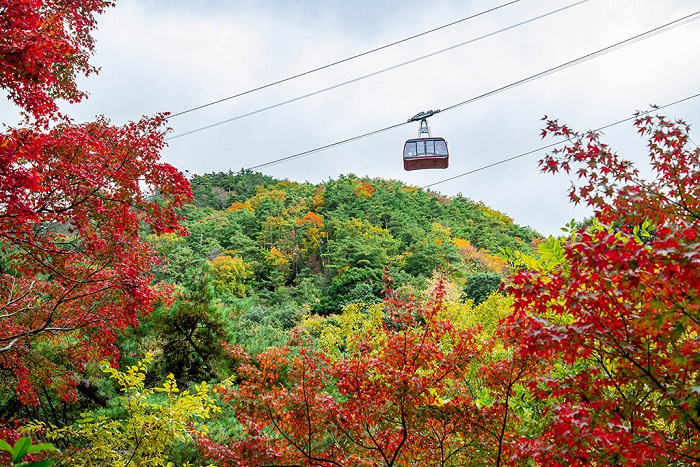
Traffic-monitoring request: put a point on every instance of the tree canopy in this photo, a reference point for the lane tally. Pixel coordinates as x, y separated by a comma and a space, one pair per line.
74, 198
354, 322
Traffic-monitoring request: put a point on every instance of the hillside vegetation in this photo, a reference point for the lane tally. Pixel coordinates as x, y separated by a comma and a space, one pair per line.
262, 254
327, 245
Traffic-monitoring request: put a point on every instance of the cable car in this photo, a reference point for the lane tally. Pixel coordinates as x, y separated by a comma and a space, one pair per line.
425, 152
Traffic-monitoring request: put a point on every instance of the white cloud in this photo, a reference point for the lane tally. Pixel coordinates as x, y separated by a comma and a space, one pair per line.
158, 55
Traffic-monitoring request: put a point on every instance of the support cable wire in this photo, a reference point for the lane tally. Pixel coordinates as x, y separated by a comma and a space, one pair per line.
631, 40
597, 53
284, 80
556, 143
323, 148
384, 70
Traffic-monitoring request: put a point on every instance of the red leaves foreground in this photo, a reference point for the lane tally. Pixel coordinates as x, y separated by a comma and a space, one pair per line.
408, 394
44, 45
74, 266
621, 318
73, 199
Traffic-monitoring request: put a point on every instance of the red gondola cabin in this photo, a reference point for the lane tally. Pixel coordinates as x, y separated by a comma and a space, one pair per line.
425, 153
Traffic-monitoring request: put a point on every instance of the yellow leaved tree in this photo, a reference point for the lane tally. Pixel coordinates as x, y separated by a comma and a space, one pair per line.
140, 431
229, 275
339, 334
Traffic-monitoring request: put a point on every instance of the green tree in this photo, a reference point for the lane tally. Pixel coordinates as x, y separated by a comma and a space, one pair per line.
435, 252
189, 334
480, 286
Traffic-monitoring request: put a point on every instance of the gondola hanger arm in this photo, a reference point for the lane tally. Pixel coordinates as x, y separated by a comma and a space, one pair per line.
423, 115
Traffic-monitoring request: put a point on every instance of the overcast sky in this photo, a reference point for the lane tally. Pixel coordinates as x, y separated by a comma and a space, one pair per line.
166, 55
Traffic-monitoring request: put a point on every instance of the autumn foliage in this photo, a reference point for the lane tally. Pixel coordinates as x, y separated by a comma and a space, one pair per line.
404, 393
73, 200
589, 355
597, 362
621, 315
44, 46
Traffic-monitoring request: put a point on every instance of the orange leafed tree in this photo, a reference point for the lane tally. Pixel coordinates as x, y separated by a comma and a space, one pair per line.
402, 394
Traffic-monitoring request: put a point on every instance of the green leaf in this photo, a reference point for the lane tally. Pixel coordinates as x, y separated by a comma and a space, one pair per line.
21, 449
5, 446
42, 447
41, 463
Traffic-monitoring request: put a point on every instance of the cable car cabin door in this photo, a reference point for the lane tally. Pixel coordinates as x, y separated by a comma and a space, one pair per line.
425, 153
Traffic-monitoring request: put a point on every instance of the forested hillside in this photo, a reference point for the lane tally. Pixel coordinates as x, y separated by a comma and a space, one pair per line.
263, 253
329, 244
265, 259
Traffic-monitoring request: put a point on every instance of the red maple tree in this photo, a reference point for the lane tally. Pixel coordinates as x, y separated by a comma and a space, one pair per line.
620, 318
404, 394
44, 45
73, 201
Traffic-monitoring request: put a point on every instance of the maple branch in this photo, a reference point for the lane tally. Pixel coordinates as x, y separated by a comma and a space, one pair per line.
72, 205
646, 369
293, 443
9, 346
501, 435
372, 438
441, 444
457, 451
349, 436
12, 301
608, 372
680, 306
43, 263
380, 449
441, 438
647, 372
45, 327
338, 422
404, 437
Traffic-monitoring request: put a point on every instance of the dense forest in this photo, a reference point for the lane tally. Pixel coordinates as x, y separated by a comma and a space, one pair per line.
267, 252
325, 245
237, 320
